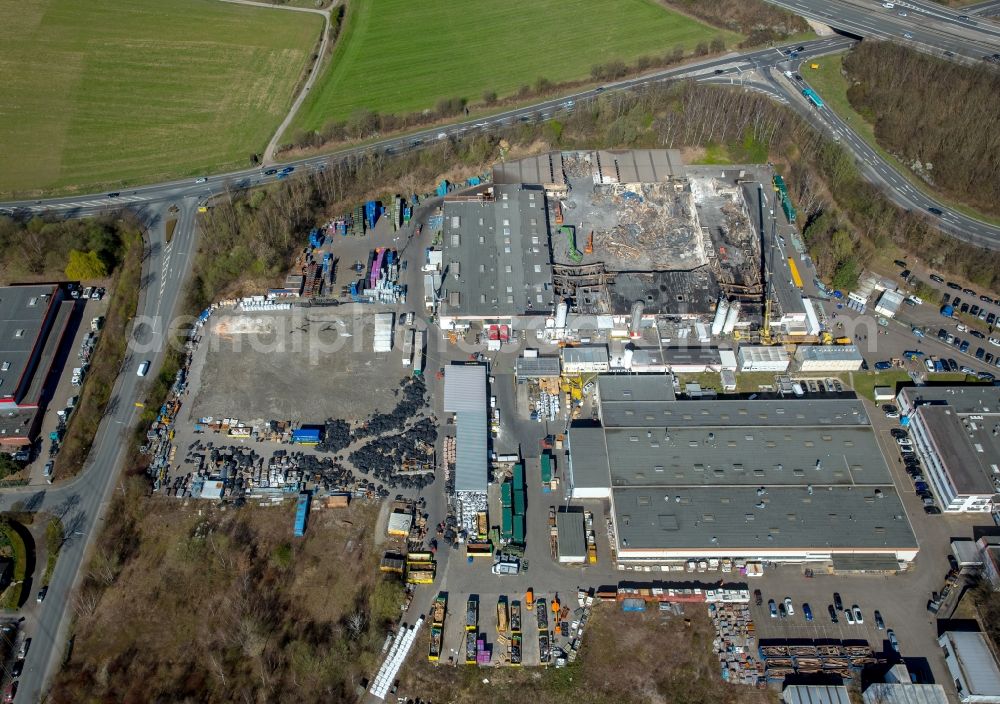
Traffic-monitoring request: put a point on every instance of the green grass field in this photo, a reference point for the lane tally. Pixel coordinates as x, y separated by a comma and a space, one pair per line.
400, 56
104, 93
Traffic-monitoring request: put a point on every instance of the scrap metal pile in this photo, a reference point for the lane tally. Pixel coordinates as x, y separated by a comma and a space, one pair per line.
248, 474
735, 640
657, 227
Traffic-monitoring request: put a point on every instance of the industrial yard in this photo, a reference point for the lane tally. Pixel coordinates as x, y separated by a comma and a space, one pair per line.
302, 366
596, 475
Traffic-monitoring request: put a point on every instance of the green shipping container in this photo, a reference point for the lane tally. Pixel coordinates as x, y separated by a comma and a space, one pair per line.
506, 522
519, 503
519, 476
546, 468
506, 494
519, 529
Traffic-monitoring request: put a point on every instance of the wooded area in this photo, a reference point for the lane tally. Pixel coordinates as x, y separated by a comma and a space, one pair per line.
40, 249
939, 117
250, 239
212, 606
759, 21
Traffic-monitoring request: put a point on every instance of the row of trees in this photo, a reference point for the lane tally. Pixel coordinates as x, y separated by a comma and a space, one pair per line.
939, 117
759, 21
52, 248
845, 219
223, 608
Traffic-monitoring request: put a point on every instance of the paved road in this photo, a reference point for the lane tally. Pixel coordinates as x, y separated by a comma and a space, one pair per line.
85, 498
168, 265
931, 27
898, 188
771, 82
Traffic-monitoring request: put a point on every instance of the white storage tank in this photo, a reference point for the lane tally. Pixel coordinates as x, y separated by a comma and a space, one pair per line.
562, 312
720, 316
731, 318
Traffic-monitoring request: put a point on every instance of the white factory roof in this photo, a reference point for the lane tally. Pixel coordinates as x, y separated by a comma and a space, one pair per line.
465, 396
972, 656
763, 353
828, 353
815, 694
596, 354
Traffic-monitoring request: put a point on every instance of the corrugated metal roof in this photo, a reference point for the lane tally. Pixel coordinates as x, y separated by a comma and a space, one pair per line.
536, 367
904, 693
572, 542
465, 396
977, 665
465, 388
763, 353
815, 694
596, 354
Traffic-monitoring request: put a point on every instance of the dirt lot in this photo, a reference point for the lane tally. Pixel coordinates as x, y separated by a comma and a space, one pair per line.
624, 658
303, 365
186, 602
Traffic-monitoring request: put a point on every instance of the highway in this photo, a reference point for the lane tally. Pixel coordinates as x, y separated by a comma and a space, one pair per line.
168, 265
921, 24
773, 83
83, 500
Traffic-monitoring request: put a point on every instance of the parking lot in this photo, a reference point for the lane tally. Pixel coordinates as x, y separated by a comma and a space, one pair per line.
60, 388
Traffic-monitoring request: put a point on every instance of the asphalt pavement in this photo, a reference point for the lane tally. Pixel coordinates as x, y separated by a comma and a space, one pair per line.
921, 24
84, 499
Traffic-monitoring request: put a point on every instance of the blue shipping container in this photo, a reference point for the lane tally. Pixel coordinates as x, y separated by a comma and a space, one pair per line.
306, 435
301, 514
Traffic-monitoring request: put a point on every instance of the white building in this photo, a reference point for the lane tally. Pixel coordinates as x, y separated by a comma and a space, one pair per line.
585, 360
762, 358
815, 694
898, 689
972, 666
383, 332
888, 304
828, 358
952, 428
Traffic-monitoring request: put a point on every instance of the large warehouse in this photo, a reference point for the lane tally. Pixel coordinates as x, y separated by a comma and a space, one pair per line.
776, 479
33, 320
955, 431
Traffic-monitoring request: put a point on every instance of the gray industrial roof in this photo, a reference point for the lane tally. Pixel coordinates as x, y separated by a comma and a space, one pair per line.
536, 367
22, 313
588, 455
639, 165
572, 541
744, 456
972, 398
543, 169
496, 254
465, 396
630, 388
50, 348
731, 412
696, 356
968, 451
730, 517
679, 293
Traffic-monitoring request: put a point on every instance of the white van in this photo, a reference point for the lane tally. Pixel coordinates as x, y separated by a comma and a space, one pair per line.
143, 369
